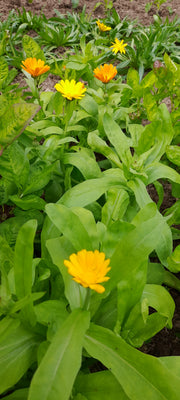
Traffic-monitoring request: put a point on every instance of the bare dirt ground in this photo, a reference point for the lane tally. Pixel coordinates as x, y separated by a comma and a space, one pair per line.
133, 9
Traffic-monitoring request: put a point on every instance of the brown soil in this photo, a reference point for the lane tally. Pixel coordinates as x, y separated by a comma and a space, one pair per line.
133, 9
165, 343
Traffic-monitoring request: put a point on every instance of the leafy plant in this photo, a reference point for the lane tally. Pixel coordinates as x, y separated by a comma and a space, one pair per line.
86, 256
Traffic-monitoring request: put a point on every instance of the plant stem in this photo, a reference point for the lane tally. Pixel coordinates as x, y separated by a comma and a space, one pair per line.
87, 299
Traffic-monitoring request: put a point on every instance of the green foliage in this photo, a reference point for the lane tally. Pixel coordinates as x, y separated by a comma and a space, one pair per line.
79, 174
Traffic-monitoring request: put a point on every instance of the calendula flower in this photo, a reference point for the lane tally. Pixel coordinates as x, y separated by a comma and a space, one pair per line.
70, 89
35, 67
118, 46
102, 27
105, 72
89, 269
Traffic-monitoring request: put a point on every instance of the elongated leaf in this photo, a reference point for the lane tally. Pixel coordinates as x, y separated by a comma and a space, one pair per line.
28, 202
83, 235
56, 374
139, 374
172, 363
100, 146
90, 190
86, 164
39, 176
129, 260
17, 353
23, 259
89, 105
20, 394
60, 249
174, 260
7, 325
80, 196
3, 70
6, 254
115, 206
99, 386
15, 165
164, 241
160, 299
158, 171
118, 139
15, 120
23, 265
31, 48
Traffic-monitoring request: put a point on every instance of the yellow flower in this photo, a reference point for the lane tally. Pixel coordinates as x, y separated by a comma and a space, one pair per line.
34, 67
105, 73
70, 89
103, 27
118, 46
89, 269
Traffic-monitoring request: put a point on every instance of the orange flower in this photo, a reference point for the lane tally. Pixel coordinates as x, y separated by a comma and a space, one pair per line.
105, 73
35, 67
89, 269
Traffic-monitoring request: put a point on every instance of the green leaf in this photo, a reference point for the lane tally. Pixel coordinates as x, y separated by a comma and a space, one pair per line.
99, 386
20, 394
3, 42
83, 194
85, 163
160, 299
173, 154
129, 259
80, 397
39, 176
60, 249
164, 242
89, 105
3, 70
100, 146
6, 254
50, 311
28, 202
15, 120
31, 48
115, 206
58, 369
15, 165
174, 260
139, 374
90, 190
17, 354
140, 326
7, 326
23, 265
172, 363
77, 225
158, 171
133, 81
9, 229
23, 258
117, 139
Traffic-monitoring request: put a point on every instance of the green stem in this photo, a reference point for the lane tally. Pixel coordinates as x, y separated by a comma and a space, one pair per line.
87, 299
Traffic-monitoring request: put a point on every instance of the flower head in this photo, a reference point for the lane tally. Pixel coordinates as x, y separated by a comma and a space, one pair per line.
105, 72
35, 67
102, 27
89, 269
70, 89
118, 46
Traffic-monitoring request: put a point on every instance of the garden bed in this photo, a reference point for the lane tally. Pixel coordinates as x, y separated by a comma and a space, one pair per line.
89, 176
